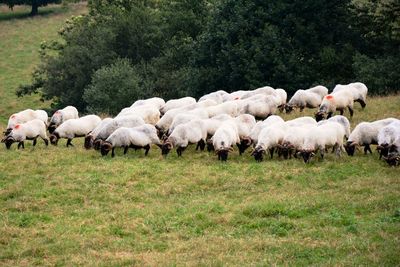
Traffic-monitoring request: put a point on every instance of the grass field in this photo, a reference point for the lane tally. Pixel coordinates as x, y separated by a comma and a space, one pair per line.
69, 206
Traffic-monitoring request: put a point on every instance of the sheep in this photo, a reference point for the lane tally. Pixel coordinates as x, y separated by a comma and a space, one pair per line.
192, 132
224, 138
283, 98
255, 131
212, 124
387, 138
30, 130
72, 128
260, 106
149, 113
114, 124
62, 115
245, 124
218, 96
320, 90
181, 119
266, 90
293, 140
177, 103
358, 90
154, 101
329, 134
269, 138
137, 137
25, 116
303, 99
231, 108
342, 120
336, 101
306, 120
365, 134
90, 137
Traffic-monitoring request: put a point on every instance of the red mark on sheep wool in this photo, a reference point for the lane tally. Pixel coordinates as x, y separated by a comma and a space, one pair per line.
329, 97
17, 126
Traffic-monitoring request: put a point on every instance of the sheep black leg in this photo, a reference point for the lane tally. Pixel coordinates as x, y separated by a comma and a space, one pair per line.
126, 149
69, 142
368, 148
202, 144
329, 115
46, 141
113, 152
146, 149
351, 111
271, 152
341, 111
21, 144
34, 142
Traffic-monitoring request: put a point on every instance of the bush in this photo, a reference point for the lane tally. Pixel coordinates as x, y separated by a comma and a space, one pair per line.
112, 88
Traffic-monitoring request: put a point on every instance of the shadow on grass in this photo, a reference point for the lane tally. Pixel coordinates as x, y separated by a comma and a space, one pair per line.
24, 14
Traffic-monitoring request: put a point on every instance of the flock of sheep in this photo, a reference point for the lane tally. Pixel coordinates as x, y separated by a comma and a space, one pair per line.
219, 121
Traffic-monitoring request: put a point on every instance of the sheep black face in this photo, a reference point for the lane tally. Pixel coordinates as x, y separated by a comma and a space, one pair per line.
88, 142
7, 131
105, 148
244, 144
258, 155
52, 127
223, 154
286, 150
166, 148
97, 144
54, 138
307, 155
383, 150
8, 141
319, 116
350, 148
392, 160
288, 109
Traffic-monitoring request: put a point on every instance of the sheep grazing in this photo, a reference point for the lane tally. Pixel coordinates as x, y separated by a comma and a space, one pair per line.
30, 130
310, 98
359, 91
329, 134
388, 137
112, 125
192, 132
230, 108
342, 120
149, 113
293, 140
177, 103
154, 101
245, 124
339, 100
61, 116
25, 116
74, 128
224, 138
255, 131
261, 106
365, 134
283, 98
212, 124
218, 96
269, 139
90, 137
142, 136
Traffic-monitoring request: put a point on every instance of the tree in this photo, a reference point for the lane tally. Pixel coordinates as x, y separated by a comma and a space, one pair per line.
34, 3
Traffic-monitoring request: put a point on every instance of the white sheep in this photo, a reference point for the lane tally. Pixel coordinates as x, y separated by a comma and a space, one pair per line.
358, 90
149, 113
154, 101
283, 98
254, 133
245, 123
72, 128
177, 103
329, 134
218, 96
192, 132
62, 115
231, 108
339, 100
342, 120
294, 139
90, 137
266, 90
224, 138
25, 116
260, 106
320, 90
108, 128
388, 138
300, 121
365, 134
30, 130
212, 124
269, 138
303, 99
137, 137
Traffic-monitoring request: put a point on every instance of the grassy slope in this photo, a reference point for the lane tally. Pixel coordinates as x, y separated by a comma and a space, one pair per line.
63, 206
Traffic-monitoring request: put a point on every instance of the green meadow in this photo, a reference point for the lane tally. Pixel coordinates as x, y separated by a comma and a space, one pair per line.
70, 206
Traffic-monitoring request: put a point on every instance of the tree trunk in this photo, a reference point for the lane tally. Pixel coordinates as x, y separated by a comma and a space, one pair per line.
35, 7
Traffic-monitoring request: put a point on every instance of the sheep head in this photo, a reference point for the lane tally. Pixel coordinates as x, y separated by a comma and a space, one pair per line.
245, 143
319, 116
392, 159
88, 141
8, 141
54, 138
258, 154
350, 148
307, 155
166, 148
105, 148
289, 108
97, 144
223, 153
210, 145
286, 149
52, 127
7, 131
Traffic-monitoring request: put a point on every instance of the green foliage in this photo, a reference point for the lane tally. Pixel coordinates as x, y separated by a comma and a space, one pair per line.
113, 87
34, 3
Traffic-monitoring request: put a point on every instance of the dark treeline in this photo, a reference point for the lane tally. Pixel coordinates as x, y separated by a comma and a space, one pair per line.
125, 50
